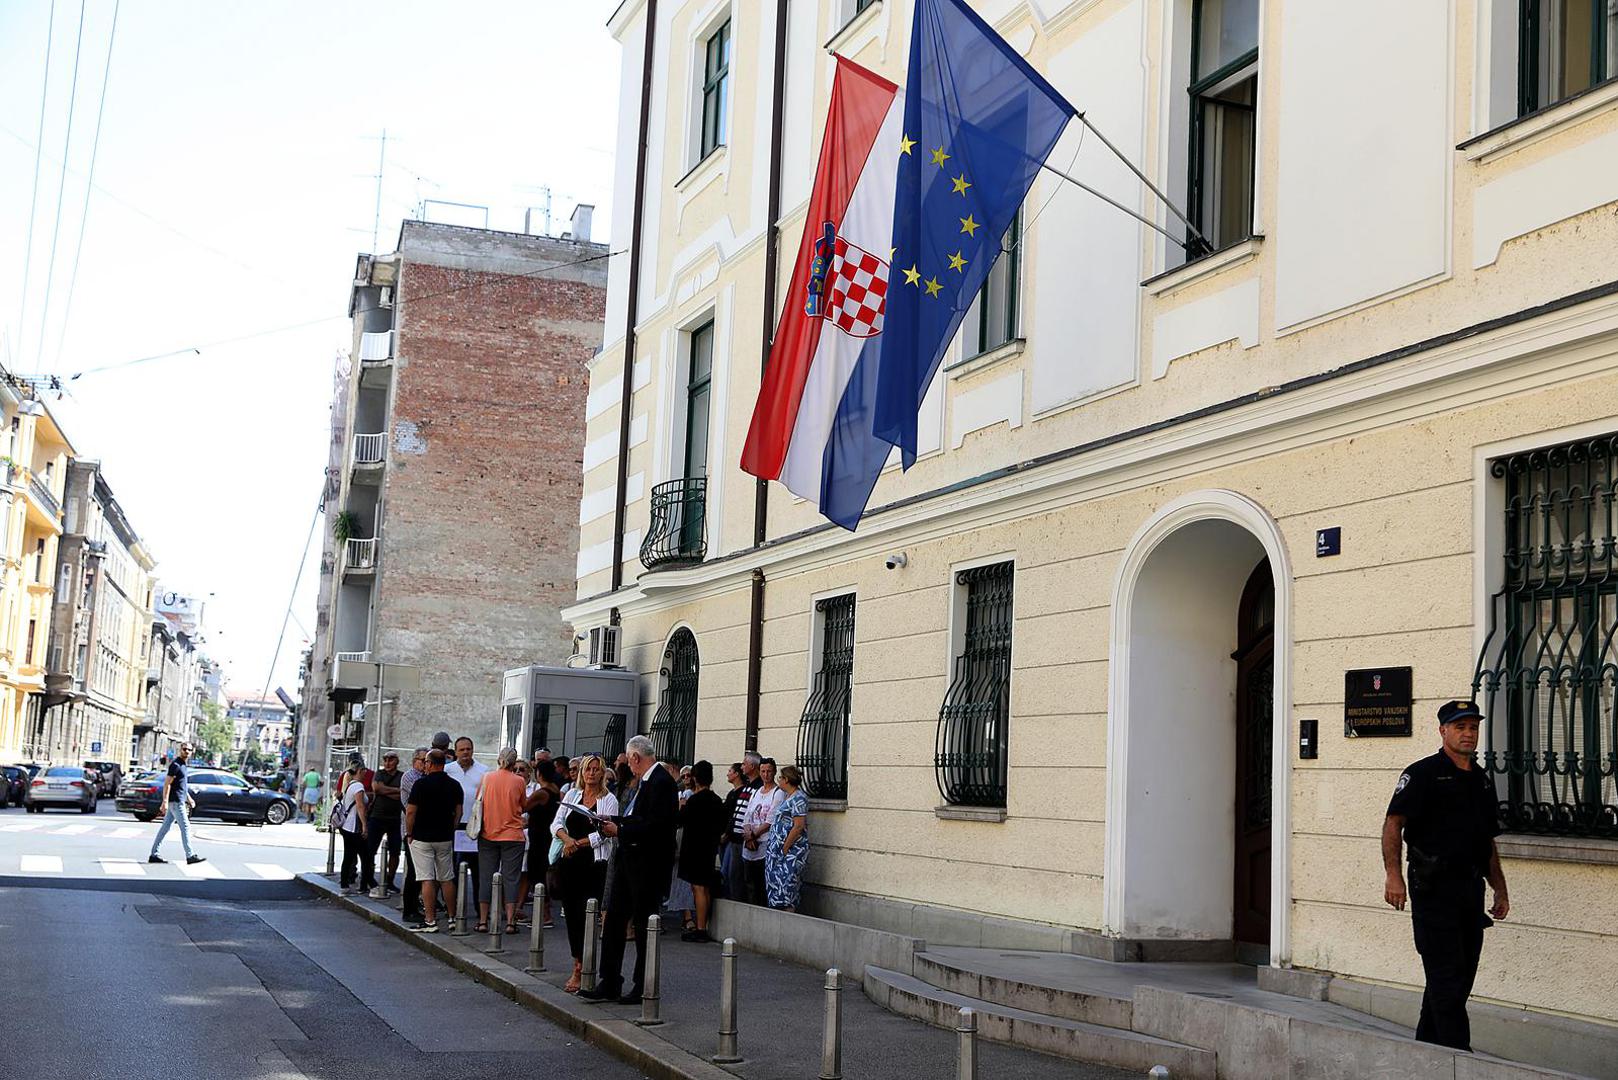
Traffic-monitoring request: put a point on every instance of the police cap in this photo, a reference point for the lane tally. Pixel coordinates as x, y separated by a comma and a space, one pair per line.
1451, 711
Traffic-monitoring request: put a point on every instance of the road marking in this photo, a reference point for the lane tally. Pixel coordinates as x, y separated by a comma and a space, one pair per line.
123, 833
122, 868
201, 870
21, 826
270, 871
41, 864
73, 830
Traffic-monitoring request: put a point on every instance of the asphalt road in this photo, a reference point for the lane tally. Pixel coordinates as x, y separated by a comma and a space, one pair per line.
169, 971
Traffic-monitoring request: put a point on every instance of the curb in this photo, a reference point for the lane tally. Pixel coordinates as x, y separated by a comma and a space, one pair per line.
624, 1039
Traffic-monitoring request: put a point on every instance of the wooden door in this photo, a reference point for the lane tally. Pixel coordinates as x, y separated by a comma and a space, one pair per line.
1255, 682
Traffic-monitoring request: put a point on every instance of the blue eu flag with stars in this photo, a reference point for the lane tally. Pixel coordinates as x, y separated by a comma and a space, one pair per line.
979, 123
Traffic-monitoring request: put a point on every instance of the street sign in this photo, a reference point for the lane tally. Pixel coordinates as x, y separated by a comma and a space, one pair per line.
1376, 702
95, 748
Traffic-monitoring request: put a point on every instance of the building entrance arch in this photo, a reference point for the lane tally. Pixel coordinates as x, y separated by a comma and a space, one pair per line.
1191, 783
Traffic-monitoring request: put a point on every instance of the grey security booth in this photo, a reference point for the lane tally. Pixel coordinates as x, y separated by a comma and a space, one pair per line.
570, 711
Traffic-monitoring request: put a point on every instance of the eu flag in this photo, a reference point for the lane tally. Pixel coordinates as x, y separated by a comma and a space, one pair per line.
979, 123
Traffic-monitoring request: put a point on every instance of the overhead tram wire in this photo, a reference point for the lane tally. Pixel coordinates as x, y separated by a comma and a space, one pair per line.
89, 184
61, 187
292, 601
332, 318
39, 154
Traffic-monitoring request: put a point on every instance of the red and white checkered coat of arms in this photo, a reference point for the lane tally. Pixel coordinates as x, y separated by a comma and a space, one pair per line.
847, 285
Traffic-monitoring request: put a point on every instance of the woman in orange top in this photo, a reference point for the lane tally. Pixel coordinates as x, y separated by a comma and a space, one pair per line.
500, 838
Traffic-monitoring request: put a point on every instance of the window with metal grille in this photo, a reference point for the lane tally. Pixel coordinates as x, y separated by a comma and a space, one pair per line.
1546, 677
823, 729
674, 727
970, 756
715, 90
1564, 48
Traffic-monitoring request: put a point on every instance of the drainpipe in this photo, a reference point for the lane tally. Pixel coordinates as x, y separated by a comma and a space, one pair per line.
632, 306
761, 488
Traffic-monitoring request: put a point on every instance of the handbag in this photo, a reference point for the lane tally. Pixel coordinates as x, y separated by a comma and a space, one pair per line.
474, 820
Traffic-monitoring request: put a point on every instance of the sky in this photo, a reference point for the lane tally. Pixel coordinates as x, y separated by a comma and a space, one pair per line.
234, 181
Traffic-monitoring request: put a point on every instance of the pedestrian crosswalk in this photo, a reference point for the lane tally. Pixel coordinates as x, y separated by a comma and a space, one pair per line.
109, 866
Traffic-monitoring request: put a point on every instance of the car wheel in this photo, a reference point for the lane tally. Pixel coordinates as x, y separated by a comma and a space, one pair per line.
277, 813
148, 818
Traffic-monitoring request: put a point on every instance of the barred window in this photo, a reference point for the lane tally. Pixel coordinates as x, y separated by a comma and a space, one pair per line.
823, 729
674, 727
1548, 669
970, 757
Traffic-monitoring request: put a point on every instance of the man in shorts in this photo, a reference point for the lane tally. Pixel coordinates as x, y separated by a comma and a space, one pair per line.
431, 819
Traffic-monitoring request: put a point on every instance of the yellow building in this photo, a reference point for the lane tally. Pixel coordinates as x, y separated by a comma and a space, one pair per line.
35, 460
1168, 511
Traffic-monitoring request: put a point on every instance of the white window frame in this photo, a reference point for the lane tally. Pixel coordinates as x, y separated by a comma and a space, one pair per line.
704, 27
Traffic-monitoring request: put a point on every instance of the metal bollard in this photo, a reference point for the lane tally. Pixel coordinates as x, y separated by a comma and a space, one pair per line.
463, 902
831, 1041
727, 1054
497, 925
967, 1056
649, 1000
1158, 1072
536, 939
592, 916
331, 850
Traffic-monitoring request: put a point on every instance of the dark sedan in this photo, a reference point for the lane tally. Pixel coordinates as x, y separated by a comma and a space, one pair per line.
16, 784
217, 794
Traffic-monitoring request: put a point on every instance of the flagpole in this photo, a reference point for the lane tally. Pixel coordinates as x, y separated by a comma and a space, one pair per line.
1109, 200
1130, 165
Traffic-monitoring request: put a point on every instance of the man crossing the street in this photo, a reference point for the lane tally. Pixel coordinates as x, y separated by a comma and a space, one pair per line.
1444, 809
178, 803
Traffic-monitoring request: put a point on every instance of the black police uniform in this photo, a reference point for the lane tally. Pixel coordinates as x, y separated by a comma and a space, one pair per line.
1450, 818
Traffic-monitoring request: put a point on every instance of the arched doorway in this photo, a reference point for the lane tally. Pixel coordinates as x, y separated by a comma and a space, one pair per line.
1199, 690
674, 727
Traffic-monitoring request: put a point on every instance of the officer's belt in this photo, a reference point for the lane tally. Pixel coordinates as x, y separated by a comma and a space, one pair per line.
1428, 869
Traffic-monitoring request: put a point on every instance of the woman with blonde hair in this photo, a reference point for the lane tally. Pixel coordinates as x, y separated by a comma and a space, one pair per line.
585, 855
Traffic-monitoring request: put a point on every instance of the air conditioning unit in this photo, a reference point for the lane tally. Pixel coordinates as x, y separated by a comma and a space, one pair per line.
604, 646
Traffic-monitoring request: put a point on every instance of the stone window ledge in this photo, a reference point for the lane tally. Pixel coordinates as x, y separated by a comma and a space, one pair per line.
828, 806
1558, 849
853, 26
1536, 126
970, 813
1172, 281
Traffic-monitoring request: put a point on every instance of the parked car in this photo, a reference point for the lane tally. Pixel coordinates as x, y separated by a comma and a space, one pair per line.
220, 795
63, 785
109, 773
15, 788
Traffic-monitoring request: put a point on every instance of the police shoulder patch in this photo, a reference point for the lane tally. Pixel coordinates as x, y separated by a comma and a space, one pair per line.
1404, 781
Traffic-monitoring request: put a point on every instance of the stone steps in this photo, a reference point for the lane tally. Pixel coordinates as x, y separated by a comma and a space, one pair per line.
1062, 1036
1085, 1006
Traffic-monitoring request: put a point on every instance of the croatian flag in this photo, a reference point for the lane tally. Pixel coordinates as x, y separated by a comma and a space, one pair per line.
913, 194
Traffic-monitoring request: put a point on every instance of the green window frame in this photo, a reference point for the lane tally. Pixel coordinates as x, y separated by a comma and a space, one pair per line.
698, 399
1565, 47
1224, 121
715, 90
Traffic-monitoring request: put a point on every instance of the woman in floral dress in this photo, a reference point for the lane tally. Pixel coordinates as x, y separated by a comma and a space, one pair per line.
786, 849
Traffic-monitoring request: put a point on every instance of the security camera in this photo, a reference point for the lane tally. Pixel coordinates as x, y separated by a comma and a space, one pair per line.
897, 561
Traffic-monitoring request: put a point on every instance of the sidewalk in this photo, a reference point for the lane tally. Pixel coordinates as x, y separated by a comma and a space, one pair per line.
780, 1012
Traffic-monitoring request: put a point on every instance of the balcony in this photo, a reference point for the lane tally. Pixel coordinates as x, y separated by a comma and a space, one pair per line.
361, 657
42, 492
359, 555
677, 533
369, 449
376, 348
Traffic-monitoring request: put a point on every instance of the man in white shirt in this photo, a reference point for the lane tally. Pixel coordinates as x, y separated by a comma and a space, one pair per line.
468, 773
761, 810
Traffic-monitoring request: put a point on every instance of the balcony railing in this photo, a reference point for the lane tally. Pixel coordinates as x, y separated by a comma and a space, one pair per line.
361, 657
377, 346
42, 492
360, 553
368, 449
676, 535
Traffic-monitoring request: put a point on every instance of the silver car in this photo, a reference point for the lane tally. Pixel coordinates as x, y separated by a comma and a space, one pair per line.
62, 785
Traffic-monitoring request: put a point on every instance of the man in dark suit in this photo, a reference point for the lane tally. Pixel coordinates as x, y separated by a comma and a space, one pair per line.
641, 868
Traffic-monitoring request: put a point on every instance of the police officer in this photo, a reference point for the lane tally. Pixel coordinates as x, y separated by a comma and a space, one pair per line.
1444, 808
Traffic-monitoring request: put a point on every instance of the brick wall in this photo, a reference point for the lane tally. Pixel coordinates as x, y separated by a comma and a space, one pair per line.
481, 496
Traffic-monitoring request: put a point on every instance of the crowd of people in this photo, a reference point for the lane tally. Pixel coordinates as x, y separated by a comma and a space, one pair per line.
638, 836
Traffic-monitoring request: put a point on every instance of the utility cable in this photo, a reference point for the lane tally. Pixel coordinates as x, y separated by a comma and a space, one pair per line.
335, 318
33, 201
61, 187
84, 218
252, 728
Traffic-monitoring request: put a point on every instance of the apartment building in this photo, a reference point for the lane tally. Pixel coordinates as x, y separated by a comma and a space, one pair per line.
35, 459
1200, 534
261, 723
100, 628
452, 500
